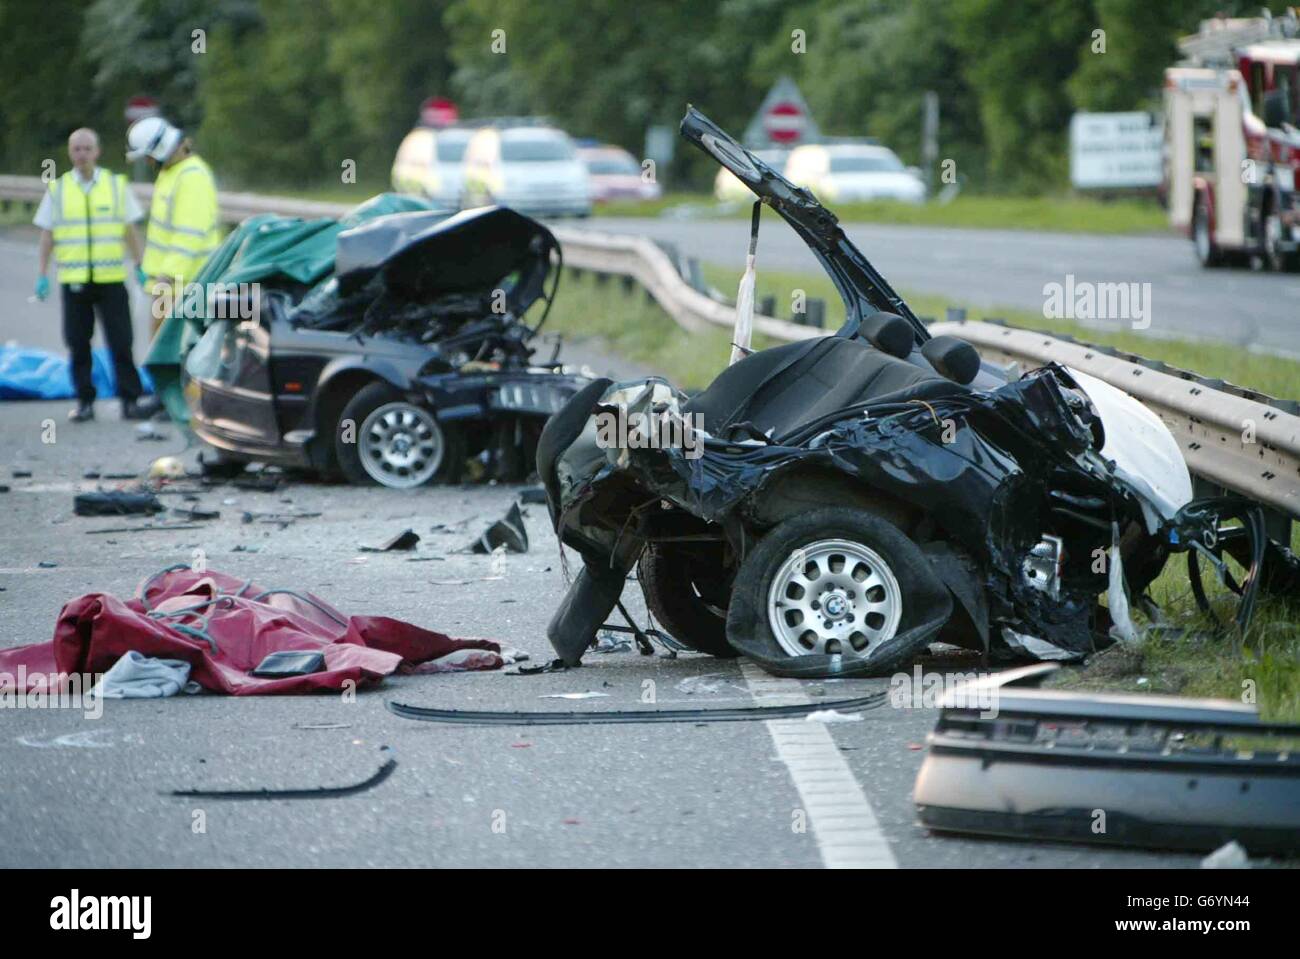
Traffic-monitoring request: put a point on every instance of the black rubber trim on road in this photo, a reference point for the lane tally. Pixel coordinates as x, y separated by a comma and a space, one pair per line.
470, 717
318, 792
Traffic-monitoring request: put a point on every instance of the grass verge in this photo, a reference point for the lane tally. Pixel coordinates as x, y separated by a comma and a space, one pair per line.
1275, 375
1060, 214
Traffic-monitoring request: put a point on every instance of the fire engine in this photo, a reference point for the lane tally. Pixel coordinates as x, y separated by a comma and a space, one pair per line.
1232, 147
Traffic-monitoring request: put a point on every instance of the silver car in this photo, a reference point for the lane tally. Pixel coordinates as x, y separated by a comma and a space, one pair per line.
533, 169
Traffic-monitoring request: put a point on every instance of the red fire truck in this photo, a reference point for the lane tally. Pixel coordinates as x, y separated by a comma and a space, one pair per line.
1232, 147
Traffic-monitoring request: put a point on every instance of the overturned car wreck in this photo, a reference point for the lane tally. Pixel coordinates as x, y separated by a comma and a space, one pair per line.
412, 357
846, 500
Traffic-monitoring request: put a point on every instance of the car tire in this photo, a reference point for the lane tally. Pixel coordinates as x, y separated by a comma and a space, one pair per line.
1207, 251
673, 598
1277, 260
882, 587
388, 434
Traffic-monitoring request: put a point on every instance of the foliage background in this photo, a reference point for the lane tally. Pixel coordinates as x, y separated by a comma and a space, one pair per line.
287, 90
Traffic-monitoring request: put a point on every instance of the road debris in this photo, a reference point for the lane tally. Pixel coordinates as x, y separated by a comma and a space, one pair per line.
116, 503
507, 532
315, 792
403, 541
1132, 770
469, 717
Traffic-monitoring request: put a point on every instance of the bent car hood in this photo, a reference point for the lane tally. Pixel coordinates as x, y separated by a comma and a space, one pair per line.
424, 256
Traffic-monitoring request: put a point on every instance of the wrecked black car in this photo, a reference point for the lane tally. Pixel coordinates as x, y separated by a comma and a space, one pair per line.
410, 360
833, 505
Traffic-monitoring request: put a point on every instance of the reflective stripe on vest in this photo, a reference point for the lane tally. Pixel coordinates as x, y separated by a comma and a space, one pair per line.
183, 225
88, 228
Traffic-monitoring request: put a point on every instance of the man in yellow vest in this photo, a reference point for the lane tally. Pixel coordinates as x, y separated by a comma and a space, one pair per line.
84, 218
183, 219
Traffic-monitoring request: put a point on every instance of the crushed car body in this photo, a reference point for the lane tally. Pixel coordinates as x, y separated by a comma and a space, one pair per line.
844, 501
1157, 771
412, 356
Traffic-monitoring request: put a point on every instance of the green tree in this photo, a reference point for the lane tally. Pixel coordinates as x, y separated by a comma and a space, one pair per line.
45, 83
1016, 57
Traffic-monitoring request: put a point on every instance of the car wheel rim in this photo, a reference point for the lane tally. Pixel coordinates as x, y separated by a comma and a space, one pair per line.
401, 445
833, 596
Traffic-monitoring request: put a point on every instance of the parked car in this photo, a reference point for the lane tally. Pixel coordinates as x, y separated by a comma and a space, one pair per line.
534, 169
854, 172
616, 175
829, 507
411, 358
727, 189
430, 163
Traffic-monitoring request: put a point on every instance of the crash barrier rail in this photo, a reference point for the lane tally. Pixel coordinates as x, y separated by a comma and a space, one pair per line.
1232, 438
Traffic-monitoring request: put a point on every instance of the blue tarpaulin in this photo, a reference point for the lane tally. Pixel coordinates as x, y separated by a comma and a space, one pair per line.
27, 373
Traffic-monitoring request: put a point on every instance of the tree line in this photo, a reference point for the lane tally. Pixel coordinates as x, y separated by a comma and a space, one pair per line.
287, 92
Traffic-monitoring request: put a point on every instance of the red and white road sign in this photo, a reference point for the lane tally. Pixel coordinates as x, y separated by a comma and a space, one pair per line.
785, 122
438, 112
139, 107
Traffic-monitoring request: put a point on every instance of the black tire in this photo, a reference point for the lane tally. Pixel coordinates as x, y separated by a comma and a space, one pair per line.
348, 454
924, 602
668, 577
1278, 261
1207, 252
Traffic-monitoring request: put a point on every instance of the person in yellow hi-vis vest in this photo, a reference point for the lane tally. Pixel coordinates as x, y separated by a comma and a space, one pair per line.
184, 227
87, 220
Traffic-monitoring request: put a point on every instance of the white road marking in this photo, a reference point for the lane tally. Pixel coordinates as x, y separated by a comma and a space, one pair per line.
842, 820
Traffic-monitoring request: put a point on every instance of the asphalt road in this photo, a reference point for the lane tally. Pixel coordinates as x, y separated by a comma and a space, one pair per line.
96, 792
988, 269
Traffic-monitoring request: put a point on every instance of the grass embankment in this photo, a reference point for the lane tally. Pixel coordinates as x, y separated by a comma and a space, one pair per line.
1060, 214
1265, 662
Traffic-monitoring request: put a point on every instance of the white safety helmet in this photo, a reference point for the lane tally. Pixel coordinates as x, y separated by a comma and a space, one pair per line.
152, 137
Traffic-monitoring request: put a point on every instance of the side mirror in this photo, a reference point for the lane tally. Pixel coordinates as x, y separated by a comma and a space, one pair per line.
1275, 108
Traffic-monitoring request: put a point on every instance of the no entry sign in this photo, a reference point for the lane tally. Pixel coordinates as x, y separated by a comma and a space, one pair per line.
783, 119
785, 122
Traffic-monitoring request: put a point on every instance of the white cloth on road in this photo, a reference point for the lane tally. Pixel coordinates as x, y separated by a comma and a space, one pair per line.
44, 218
137, 676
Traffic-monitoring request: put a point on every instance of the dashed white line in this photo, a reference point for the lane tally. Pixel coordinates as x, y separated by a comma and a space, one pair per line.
840, 816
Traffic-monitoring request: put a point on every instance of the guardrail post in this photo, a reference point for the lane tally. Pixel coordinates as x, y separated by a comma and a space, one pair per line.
767, 305
956, 314
816, 313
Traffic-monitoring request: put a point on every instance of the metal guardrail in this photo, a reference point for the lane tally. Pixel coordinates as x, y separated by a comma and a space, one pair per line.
1231, 441
1232, 438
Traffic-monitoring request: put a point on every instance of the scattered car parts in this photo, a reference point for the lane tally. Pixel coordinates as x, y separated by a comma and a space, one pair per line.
316, 792
470, 717
1156, 771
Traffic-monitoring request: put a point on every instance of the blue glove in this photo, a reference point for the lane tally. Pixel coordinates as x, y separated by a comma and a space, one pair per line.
140, 277
42, 287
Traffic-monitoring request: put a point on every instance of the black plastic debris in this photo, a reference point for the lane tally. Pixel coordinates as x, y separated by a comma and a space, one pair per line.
405, 540
1131, 770
21, 474
144, 528
470, 717
46, 564
507, 532
316, 792
290, 662
116, 503
196, 513
533, 495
